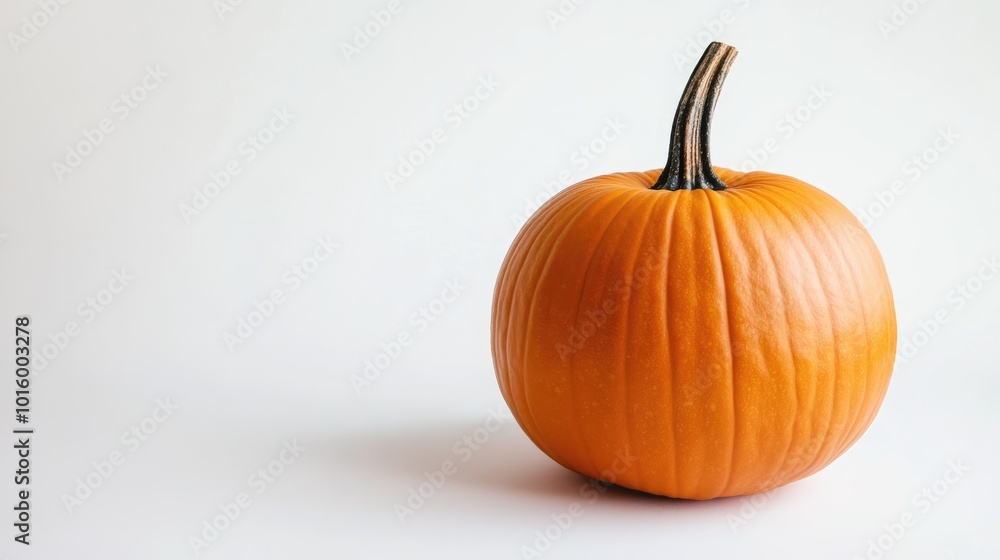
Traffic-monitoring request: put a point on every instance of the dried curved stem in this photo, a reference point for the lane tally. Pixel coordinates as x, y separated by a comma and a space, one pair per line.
689, 165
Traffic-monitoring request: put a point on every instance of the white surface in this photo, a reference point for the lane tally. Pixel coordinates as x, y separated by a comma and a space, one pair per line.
162, 336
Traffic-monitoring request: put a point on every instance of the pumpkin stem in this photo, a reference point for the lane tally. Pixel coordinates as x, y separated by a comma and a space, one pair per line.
688, 164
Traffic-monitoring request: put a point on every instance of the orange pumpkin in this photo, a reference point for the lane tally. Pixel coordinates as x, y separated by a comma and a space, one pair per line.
696, 332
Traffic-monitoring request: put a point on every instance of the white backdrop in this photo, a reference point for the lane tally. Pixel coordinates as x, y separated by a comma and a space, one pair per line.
171, 170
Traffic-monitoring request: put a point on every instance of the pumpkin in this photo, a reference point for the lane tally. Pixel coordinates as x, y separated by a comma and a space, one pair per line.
694, 332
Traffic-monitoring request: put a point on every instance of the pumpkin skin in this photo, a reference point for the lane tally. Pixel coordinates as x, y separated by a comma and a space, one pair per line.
693, 343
